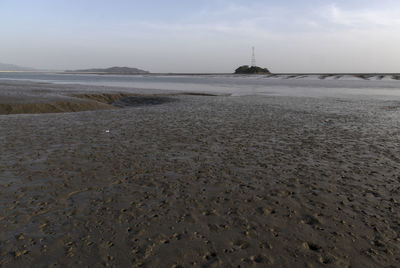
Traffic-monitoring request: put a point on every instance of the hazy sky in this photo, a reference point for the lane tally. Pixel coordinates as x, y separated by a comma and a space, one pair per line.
202, 35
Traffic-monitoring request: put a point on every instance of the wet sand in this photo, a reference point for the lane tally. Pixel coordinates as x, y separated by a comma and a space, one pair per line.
203, 181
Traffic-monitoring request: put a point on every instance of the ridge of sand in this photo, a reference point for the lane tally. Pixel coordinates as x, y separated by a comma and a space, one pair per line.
18, 97
103, 97
99, 101
52, 107
88, 102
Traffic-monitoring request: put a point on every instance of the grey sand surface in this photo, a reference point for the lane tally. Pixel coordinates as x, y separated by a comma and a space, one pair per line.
204, 181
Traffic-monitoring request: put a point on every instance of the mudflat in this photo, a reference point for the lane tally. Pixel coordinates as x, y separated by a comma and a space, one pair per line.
203, 181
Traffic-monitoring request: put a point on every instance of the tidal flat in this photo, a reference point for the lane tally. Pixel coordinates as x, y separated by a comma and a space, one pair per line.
198, 180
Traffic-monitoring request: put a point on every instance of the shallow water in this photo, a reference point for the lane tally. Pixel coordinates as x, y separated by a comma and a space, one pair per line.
282, 85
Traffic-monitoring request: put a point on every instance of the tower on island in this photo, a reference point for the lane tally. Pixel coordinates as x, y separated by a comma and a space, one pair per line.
253, 69
253, 58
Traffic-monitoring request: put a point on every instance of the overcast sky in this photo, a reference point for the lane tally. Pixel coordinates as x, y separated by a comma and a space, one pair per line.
202, 35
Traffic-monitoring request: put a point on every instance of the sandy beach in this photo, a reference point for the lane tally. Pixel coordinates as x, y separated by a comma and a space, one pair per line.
178, 180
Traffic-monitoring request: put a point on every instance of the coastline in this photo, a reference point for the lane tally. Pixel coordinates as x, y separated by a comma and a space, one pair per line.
200, 181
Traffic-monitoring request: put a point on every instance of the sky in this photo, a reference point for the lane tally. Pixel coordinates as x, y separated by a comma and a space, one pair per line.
202, 35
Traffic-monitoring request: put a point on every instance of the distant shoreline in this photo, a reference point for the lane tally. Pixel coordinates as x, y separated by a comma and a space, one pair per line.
205, 74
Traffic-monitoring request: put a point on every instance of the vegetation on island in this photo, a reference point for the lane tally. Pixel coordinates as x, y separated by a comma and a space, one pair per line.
245, 69
112, 70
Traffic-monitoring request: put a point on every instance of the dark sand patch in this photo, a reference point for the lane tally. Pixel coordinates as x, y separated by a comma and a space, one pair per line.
325, 76
52, 107
143, 101
104, 97
363, 76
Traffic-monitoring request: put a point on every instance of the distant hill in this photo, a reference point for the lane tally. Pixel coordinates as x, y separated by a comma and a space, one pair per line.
112, 70
245, 69
11, 67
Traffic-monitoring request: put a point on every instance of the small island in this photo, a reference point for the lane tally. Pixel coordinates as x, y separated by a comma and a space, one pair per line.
245, 69
112, 70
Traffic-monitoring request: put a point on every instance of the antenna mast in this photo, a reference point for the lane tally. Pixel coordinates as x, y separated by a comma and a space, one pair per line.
253, 58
